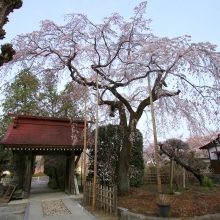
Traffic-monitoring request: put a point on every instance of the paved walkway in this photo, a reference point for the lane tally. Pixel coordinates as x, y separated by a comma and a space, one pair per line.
40, 192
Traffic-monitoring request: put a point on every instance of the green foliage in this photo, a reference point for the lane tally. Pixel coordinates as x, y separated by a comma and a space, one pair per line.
70, 105
172, 192
54, 167
28, 95
58, 104
205, 189
110, 143
21, 96
206, 182
137, 160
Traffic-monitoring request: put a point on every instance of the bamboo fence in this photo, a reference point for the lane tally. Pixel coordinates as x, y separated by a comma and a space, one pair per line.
106, 197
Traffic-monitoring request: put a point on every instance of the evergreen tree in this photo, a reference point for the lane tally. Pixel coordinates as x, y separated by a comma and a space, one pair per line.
109, 147
21, 96
49, 95
69, 105
60, 105
28, 95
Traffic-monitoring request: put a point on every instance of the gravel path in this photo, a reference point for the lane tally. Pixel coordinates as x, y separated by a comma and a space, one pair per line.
54, 207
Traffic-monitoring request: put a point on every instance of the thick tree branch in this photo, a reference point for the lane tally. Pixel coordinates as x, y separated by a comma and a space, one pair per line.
197, 174
6, 7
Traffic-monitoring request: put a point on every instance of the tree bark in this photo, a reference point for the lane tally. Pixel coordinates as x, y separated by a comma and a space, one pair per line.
123, 168
123, 177
197, 174
6, 7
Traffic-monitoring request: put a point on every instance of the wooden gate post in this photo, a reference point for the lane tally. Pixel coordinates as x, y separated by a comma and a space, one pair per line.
27, 185
72, 187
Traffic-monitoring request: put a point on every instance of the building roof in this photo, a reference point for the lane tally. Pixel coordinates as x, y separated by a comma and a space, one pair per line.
212, 143
37, 132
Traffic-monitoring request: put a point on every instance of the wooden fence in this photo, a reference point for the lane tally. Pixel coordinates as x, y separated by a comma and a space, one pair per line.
106, 197
151, 178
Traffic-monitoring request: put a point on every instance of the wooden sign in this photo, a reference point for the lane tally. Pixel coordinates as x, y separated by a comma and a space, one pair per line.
8, 194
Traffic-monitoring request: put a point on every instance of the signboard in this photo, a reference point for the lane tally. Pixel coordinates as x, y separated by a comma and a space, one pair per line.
8, 194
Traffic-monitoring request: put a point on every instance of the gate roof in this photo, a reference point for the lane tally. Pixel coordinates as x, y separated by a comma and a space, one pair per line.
35, 132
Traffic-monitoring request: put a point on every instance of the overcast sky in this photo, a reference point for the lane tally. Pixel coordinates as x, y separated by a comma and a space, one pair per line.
170, 18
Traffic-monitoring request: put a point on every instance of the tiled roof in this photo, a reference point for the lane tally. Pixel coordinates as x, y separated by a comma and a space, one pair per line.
41, 132
212, 143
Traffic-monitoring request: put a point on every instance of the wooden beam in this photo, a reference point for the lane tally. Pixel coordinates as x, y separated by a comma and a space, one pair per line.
46, 152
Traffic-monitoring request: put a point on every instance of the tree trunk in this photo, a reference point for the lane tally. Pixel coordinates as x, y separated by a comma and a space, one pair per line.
6, 7
123, 182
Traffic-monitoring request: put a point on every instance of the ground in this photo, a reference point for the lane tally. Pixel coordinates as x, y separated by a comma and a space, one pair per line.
195, 201
190, 202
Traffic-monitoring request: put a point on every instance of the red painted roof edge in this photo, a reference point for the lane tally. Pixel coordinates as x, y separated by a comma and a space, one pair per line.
45, 118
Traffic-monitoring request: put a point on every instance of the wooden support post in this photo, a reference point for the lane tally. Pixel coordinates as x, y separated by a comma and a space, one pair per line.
72, 187
96, 143
184, 178
67, 176
159, 187
115, 207
27, 186
171, 172
84, 150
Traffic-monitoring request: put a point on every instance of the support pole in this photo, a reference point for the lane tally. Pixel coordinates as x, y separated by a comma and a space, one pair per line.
95, 155
159, 189
184, 178
171, 172
84, 150
72, 186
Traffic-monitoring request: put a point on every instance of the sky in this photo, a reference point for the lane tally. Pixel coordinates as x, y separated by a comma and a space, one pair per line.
170, 18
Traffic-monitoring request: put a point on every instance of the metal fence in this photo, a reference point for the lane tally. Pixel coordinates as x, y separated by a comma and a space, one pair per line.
106, 197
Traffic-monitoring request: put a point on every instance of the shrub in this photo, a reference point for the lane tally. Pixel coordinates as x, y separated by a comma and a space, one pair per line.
206, 182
